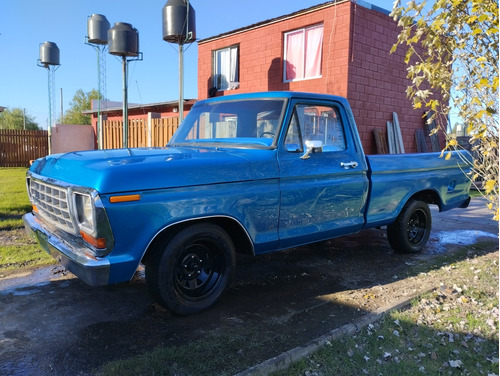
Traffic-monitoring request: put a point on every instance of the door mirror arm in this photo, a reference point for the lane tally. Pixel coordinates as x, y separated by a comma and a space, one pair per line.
312, 146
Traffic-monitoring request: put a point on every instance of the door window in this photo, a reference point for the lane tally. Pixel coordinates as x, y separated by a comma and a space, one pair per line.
315, 123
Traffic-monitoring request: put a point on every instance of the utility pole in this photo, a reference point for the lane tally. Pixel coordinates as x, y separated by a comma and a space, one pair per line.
62, 112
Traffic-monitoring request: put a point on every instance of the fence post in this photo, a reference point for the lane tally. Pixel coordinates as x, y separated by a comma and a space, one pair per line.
151, 116
49, 132
102, 118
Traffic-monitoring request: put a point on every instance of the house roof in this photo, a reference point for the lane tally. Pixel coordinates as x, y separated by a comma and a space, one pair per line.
2, 108
112, 106
295, 14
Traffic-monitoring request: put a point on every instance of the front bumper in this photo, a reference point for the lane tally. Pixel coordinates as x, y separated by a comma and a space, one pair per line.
73, 256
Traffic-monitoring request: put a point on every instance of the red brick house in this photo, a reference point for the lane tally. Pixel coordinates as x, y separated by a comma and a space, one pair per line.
337, 47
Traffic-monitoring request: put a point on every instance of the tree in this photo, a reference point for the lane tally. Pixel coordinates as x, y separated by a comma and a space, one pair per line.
17, 119
452, 57
81, 102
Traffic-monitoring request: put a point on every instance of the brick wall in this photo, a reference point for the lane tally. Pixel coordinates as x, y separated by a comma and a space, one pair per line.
261, 54
377, 79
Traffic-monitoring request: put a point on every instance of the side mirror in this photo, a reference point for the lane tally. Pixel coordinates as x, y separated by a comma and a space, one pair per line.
312, 146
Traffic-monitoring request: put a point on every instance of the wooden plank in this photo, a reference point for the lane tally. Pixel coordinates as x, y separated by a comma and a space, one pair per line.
421, 141
390, 138
381, 142
397, 132
429, 127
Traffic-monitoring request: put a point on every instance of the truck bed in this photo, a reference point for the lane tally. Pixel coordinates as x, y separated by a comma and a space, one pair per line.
394, 179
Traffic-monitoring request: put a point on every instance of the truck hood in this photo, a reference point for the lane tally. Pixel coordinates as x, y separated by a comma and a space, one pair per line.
125, 170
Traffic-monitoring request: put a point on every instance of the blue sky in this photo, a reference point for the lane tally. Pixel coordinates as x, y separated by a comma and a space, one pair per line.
25, 24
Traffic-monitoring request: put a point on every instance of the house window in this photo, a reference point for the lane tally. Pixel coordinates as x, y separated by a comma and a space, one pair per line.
303, 51
226, 68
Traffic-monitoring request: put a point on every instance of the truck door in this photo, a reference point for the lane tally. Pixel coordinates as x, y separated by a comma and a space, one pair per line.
323, 175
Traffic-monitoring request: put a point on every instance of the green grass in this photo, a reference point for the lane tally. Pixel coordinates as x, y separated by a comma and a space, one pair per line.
23, 255
214, 354
17, 250
13, 197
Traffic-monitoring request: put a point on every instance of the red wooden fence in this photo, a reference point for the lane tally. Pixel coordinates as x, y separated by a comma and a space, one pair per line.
19, 147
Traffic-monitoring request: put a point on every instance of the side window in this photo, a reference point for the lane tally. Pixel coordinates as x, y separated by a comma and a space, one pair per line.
315, 123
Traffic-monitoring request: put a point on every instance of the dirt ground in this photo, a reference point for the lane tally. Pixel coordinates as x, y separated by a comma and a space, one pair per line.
53, 324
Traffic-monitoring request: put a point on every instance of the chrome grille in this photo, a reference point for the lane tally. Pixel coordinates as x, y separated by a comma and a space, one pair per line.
52, 203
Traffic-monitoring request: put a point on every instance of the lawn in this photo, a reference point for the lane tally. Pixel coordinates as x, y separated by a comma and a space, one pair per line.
13, 198
17, 249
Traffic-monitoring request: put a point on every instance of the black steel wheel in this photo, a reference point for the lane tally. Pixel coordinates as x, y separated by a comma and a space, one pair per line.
412, 228
190, 273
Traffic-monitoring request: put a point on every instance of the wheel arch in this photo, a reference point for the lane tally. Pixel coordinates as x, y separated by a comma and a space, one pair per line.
234, 229
429, 196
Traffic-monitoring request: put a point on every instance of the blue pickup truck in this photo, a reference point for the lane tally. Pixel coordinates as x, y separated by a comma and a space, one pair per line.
250, 173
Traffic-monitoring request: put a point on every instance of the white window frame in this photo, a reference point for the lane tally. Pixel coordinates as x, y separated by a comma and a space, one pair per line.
232, 68
285, 60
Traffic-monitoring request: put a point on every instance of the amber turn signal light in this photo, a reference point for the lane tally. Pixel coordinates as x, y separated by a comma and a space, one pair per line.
126, 198
99, 243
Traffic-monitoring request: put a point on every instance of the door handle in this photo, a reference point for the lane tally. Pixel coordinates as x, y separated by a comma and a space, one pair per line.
348, 165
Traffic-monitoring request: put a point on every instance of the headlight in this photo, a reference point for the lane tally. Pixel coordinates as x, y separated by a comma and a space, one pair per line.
92, 221
85, 212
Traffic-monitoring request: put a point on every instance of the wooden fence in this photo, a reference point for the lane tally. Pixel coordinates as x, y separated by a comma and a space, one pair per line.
19, 147
141, 132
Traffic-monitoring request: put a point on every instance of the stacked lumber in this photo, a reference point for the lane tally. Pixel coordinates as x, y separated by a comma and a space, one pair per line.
429, 127
394, 142
423, 137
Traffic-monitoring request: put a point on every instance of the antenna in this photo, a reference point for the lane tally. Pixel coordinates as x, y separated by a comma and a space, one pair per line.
178, 24
49, 59
123, 40
97, 30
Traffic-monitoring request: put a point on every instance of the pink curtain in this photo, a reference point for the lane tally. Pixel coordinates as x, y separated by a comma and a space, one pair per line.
314, 43
303, 53
294, 55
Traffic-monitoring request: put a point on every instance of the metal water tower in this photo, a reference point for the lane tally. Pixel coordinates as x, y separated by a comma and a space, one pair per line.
179, 27
97, 29
97, 37
123, 40
49, 54
50, 59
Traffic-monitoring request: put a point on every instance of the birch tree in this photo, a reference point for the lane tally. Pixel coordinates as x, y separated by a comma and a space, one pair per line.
452, 56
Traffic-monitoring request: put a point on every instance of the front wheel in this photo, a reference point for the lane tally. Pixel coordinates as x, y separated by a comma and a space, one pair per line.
412, 228
190, 273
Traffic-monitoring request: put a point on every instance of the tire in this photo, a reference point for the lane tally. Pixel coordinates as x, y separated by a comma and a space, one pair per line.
412, 228
191, 272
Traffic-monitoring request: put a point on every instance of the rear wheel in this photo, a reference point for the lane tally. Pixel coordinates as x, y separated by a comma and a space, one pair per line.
412, 228
190, 273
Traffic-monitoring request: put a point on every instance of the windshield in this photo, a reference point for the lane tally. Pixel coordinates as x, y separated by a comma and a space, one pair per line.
251, 123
